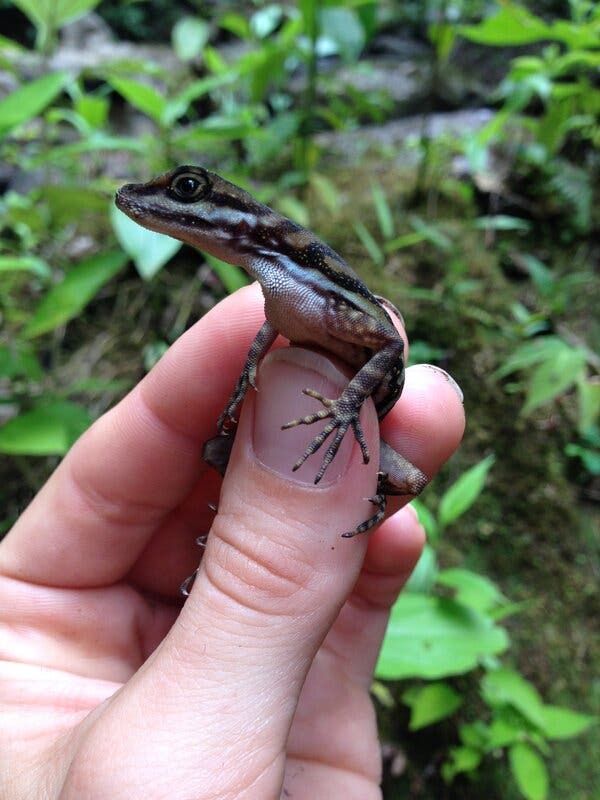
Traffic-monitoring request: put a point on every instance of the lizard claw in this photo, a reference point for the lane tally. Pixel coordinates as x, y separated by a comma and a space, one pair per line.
342, 415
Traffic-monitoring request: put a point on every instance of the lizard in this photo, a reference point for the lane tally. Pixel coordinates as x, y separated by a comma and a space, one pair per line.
312, 297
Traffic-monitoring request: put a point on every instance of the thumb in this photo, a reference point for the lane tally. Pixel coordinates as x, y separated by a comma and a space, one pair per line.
272, 580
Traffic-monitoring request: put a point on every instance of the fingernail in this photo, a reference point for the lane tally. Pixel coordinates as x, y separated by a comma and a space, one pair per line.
283, 374
449, 378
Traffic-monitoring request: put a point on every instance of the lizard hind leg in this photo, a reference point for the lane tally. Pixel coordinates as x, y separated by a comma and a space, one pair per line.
398, 475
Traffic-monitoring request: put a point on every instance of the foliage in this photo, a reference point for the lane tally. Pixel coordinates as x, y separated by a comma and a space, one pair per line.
431, 637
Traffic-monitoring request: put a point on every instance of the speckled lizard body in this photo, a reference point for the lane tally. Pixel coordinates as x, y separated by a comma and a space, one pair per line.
312, 297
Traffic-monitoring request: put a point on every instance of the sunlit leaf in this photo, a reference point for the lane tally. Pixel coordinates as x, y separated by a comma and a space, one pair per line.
141, 96
48, 429
65, 300
51, 15
529, 771
432, 703
506, 687
189, 36
433, 637
554, 377
464, 492
29, 100
563, 723
473, 590
149, 250
343, 26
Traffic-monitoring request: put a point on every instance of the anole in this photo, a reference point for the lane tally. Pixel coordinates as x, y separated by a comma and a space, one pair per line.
312, 297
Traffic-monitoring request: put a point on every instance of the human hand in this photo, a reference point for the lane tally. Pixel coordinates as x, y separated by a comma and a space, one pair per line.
257, 687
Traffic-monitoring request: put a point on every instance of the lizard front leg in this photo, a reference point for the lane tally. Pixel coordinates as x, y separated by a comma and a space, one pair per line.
259, 348
344, 412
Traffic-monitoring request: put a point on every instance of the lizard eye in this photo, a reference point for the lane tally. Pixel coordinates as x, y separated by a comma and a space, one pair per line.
188, 187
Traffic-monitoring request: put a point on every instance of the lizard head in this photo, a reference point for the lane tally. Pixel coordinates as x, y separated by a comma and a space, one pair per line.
197, 206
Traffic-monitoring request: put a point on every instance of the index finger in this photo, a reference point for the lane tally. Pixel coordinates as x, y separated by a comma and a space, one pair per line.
139, 461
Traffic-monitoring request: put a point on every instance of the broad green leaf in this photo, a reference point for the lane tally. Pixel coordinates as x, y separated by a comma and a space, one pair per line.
49, 16
554, 377
94, 110
189, 35
48, 429
506, 728
432, 703
343, 26
148, 250
232, 278
54, 12
462, 759
326, 190
512, 25
506, 687
563, 723
532, 352
433, 637
141, 96
27, 263
264, 21
29, 100
529, 771
65, 300
462, 494
473, 590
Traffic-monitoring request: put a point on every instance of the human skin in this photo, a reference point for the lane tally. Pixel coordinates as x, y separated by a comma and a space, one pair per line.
258, 686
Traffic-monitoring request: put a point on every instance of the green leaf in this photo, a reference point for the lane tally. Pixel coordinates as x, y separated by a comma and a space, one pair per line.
433, 637
48, 429
369, 243
554, 377
141, 96
473, 590
343, 26
502, 687
529, 771
462, 494
463, 759
563, 723
427, 520
148, 250
49, 16
383, 211
29, 100
189, 35
65, 300
424, 574
232, 278
26, 263
512, 25
538, 349
432, 703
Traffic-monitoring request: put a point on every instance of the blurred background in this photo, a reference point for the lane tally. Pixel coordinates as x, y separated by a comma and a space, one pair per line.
449, 150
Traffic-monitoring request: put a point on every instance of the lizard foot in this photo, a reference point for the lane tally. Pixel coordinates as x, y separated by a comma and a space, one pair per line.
379, 500
342, 413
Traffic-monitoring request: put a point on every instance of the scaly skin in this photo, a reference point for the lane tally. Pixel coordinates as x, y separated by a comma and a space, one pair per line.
312, 297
